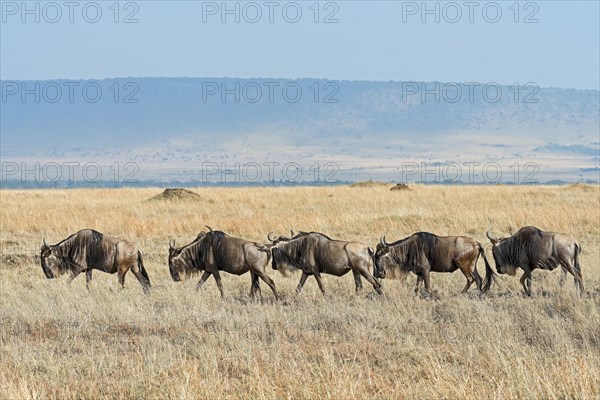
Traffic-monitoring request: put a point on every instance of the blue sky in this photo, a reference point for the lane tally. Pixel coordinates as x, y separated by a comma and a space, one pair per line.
558, 47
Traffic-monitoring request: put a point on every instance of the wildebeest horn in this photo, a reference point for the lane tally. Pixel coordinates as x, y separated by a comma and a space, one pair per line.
384, 242
172, 244
269, 237
209, 228
45, 244
287, 238
489, 236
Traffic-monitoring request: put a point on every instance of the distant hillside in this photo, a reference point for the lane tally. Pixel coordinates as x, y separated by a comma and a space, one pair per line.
368, 129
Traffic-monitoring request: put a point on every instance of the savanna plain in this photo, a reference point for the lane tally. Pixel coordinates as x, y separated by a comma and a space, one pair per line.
63, 341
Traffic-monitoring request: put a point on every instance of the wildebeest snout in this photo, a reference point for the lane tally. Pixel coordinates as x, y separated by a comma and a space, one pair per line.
47, 271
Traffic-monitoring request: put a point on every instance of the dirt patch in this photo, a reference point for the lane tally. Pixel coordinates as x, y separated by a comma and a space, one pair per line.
176, 194
400, 186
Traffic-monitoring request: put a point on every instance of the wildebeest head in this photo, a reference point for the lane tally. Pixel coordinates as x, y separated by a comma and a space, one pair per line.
52, 264
179, 261
176, 266
390, 259
382, 260
501, 256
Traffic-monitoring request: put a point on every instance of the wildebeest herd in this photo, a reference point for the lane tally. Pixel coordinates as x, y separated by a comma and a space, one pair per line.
315, 254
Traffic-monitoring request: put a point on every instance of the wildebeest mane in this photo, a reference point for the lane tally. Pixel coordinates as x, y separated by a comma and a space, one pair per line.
215, 239
510, 249
301, 233
194, 255
80, 248
188, 254
405, 250
293, 249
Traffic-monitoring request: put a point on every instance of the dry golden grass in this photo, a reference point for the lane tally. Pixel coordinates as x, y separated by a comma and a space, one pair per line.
59, 341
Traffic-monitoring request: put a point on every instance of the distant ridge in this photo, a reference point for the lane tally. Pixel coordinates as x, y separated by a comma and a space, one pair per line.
172, 127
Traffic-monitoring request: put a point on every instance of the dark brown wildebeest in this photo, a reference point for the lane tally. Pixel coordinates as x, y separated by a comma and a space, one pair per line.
530, 248
87, 250
216, 251
315, 254
423, 253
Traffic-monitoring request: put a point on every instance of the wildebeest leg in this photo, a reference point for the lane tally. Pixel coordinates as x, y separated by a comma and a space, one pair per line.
376, 285
72, 276
88, 279
301, 283
419, 281
427, 281
522, 282
122, 277
568, 266
263, 275
320, 282
579, 281
357, 280
526, 281
563, 277
203, 279
255, 286
469, 275
219, 283
140, 277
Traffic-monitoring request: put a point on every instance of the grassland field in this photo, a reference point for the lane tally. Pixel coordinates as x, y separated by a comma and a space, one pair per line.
63, 341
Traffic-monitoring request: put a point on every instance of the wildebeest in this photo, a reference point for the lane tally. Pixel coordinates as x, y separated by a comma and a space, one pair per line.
87, 250
530, 248
217, 251
315, 254
423, 253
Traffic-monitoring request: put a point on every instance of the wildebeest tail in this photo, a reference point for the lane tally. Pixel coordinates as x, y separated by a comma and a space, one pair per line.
372, 255
578, 267
142, 269
486, 284
577, 252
